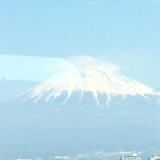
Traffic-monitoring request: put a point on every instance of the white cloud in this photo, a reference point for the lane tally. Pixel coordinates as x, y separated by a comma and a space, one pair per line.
87, 61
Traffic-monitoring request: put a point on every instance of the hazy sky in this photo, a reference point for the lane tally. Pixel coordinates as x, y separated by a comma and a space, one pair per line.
125, 32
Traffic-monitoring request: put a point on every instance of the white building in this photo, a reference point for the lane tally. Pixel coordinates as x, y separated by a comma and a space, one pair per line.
155, 158
133, 156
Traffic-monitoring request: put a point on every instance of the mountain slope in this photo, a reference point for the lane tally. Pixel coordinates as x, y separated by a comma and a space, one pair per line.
84, 106
86, 74
11, 88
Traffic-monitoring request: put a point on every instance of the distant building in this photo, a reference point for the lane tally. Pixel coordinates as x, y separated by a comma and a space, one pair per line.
155, 158
133, 156
2, 79
61, 157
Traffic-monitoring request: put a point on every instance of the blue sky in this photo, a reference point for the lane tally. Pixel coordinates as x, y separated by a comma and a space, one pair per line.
125, 32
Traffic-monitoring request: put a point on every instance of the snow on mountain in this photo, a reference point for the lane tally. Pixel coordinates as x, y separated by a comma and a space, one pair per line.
87, 74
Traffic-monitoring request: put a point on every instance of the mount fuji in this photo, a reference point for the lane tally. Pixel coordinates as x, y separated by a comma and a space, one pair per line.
83, 75
85, 105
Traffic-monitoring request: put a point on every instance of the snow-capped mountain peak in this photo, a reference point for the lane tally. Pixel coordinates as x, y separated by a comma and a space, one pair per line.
86, 74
